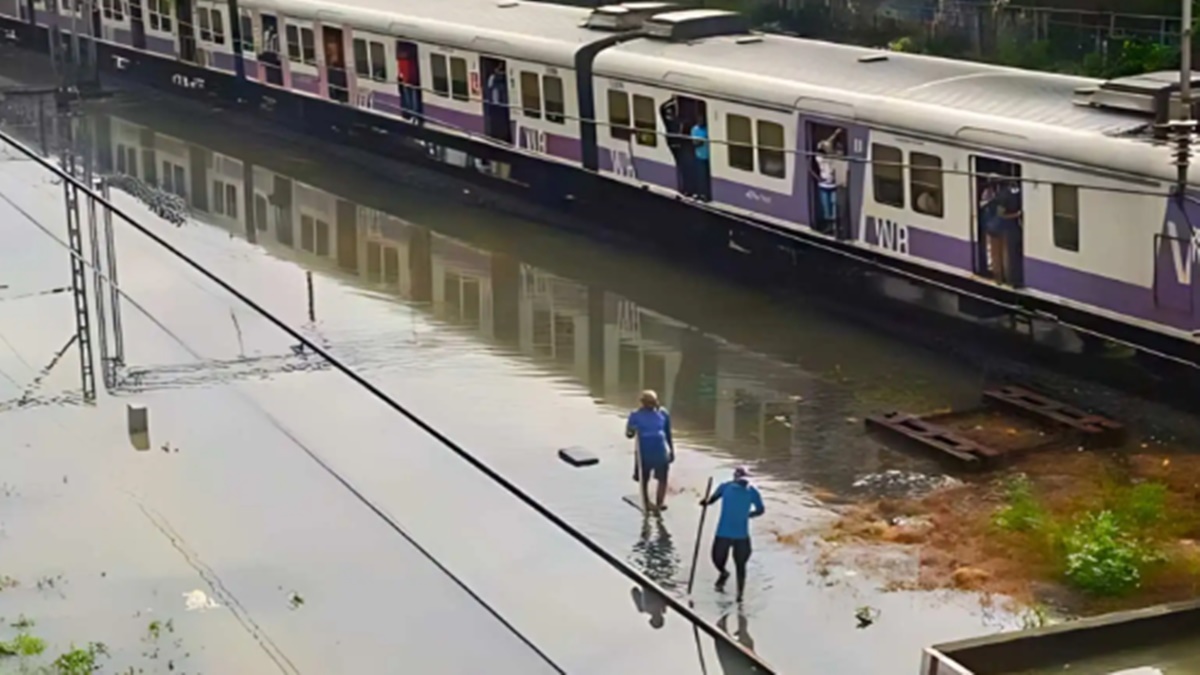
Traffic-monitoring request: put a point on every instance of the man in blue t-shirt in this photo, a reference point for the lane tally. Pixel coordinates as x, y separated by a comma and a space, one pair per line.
651, 425
741, 503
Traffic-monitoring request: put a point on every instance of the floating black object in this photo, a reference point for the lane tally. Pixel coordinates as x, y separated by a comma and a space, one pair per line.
578, 457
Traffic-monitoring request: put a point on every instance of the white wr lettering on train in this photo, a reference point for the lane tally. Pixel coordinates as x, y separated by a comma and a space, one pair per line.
1183, 252
891, 235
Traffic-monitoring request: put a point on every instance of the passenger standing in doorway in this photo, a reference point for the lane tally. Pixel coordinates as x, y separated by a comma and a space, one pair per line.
703, 176
741, 502
496, 93
1000, 209
827, 183
675, 143
1010, 214
651, 425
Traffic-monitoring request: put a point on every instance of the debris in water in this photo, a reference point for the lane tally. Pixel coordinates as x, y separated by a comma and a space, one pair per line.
295, 600
866, 616
907, 482
197, 600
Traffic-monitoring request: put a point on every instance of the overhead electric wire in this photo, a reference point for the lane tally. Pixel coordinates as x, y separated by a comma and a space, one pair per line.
358, 379
366, 501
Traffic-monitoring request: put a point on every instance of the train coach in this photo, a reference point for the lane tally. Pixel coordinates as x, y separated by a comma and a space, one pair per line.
1055, 194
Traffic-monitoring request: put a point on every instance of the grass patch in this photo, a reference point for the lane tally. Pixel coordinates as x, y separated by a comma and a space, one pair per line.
1102, 544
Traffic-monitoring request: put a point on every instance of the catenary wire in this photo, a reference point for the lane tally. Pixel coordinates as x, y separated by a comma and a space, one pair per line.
358, 379
313, 455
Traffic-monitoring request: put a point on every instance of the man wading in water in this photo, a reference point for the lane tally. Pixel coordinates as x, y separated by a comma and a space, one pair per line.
741, 503
655, 449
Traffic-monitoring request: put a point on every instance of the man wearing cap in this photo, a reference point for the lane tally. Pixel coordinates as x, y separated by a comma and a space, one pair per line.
655, 449
741, 502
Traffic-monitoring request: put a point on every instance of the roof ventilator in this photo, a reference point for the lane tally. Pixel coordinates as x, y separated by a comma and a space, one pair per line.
1151, 94
696, 24
625, 16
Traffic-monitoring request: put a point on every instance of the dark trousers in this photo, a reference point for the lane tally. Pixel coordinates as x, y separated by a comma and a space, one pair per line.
741, 555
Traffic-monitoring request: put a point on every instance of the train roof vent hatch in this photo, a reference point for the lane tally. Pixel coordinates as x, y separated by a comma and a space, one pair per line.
696, 24
625, 16
1151, 94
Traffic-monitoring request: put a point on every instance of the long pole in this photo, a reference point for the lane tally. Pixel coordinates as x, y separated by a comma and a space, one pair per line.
1185, 96
699, 534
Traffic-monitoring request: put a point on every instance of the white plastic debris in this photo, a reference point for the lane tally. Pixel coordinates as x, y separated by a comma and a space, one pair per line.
198, 601
139, 419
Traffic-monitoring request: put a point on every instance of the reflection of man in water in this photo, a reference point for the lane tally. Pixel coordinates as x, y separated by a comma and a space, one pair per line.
730, 659
650, 602
655, 555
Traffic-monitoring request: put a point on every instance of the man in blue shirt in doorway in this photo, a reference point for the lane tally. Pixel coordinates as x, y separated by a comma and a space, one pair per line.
655, 448
741, 502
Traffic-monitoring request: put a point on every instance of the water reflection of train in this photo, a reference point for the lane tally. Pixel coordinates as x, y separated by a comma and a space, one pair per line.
609, 343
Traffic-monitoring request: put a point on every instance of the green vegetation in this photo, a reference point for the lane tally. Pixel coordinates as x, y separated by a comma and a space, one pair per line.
1102, 546
24, 648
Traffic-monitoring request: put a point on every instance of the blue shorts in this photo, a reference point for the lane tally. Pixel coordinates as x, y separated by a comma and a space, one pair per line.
654, 468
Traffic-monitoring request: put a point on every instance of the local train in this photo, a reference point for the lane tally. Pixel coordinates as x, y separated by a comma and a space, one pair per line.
1052, 193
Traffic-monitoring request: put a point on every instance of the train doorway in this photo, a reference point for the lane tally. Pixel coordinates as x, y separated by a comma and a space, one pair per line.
693, 155
828, 179
999, 220
408, 81
269, 58
335, 64
497, 119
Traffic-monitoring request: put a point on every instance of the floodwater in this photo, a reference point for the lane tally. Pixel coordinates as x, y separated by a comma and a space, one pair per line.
514, 340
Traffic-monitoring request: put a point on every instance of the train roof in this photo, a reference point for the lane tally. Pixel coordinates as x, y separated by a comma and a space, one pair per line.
537, 31
1042, 98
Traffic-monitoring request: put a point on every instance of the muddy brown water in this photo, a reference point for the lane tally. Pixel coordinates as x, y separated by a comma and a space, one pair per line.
506, 335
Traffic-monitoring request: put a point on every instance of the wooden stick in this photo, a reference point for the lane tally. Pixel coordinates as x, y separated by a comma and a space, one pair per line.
699, 533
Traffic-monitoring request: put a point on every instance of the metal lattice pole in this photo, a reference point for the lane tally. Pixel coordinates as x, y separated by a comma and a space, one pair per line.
83, 328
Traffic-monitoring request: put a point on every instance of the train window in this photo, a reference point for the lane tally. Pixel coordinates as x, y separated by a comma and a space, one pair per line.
218, 26
160, 14
370, 60
1066, 217
618, 115
458, 79
645, 120
205, 22
308, 46
293, 42
771, 159
308, 233
556, 106
378, 62
441, 77
531, 95
231, 204
362, 61
322, 238
887, 170
925, 183
740, 134
247, 32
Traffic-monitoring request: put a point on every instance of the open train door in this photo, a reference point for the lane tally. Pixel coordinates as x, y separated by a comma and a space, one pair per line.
336, 79
999, 217
408, 80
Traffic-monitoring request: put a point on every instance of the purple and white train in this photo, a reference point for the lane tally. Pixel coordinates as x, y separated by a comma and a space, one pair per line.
1101, 240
